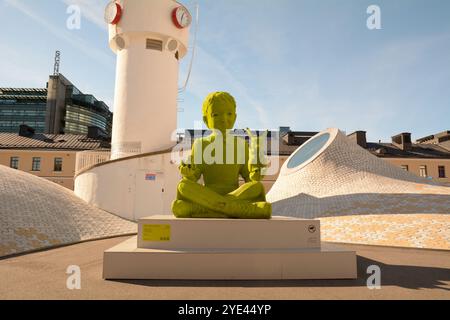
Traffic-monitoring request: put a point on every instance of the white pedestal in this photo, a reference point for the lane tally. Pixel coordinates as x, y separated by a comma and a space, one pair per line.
276, 233
227, 249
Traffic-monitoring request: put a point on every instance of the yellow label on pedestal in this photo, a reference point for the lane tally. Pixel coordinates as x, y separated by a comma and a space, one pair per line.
156, 232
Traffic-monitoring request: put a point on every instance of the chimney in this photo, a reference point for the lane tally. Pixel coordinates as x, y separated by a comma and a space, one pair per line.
359, 137
402, 141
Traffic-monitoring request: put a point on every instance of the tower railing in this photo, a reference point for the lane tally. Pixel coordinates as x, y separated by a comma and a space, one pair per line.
87, 159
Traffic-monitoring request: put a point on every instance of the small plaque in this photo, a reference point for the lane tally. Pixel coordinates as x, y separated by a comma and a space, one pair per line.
156, 232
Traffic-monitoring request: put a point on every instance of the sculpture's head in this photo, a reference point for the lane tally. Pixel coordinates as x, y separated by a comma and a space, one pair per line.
219, 111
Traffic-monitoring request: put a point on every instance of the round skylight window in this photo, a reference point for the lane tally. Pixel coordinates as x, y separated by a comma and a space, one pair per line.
308, 150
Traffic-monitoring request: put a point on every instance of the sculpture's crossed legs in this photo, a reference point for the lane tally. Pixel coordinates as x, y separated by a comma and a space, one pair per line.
197, 201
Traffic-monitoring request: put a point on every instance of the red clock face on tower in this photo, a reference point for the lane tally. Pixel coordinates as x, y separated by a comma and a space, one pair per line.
181, 17
113, 13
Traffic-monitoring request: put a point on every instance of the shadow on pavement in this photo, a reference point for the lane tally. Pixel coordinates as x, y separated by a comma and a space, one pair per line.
411, 277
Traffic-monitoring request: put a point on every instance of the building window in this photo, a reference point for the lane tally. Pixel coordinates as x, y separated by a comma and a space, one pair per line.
36, 166
14, 162
404, 167
423, 171
58, 164
441, 170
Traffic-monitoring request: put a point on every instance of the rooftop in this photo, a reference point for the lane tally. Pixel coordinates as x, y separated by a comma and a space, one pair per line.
418, 150
445, 135
22, 94
402, 146
23, 91
288, 140
50, 141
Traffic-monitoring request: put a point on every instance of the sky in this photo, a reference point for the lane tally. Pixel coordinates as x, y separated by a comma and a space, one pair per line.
306, 64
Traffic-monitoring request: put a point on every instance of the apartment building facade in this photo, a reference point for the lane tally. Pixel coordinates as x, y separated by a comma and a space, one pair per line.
47, 156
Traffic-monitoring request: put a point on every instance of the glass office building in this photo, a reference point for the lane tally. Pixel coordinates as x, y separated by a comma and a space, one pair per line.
22, 106
84, 111
60, 108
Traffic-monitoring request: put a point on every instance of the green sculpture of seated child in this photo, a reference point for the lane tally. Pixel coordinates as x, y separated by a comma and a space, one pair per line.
221, 158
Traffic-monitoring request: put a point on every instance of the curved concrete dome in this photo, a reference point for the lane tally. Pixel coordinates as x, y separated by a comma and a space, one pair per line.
332, 176
37, 214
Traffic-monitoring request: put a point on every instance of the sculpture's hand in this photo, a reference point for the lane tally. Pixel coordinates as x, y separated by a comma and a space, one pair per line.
189, 171
257, 155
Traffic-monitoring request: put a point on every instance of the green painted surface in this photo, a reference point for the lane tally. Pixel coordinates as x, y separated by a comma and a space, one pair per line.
220, 159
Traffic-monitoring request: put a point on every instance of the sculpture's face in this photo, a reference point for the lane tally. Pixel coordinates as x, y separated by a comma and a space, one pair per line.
221, 116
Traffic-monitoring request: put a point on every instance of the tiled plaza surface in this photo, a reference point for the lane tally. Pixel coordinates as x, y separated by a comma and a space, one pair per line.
37, 214
431, 231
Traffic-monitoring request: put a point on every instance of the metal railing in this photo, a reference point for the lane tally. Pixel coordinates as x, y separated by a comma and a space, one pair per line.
87, 159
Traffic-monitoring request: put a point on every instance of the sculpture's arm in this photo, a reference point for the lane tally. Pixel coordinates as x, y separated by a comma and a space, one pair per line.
190, 169
257, 159
244, 171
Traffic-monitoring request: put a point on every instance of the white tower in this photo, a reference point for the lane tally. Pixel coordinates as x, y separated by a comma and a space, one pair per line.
139, 178
149, 38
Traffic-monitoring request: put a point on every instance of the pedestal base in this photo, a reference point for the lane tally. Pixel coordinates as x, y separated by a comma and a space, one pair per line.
227, 249
126, 261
